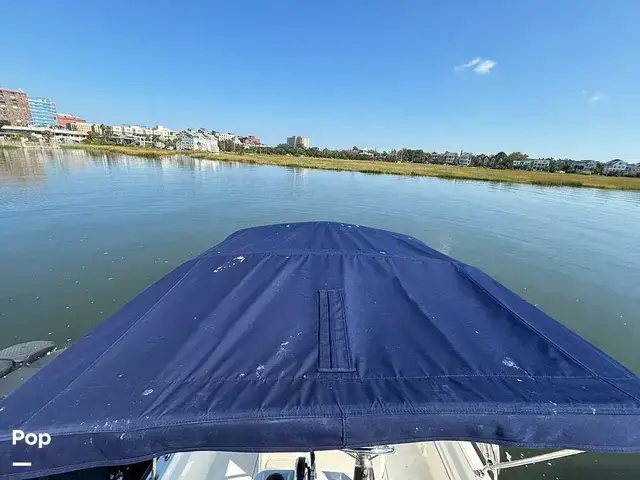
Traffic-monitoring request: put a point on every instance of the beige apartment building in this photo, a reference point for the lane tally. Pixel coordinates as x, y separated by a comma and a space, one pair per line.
297, 141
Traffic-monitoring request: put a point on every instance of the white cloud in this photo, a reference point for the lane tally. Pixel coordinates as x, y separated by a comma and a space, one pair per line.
480, 66
485, 67
469, 64
595, 96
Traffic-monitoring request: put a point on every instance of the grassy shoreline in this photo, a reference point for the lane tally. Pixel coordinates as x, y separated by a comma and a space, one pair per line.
406, 169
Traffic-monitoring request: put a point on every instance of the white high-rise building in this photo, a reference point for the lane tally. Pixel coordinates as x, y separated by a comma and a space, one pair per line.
297, 141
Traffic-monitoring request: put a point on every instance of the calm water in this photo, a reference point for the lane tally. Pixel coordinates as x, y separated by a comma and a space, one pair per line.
82, 234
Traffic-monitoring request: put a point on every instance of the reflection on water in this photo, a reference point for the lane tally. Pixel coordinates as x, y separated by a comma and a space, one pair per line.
297, 172
83, 233
22, 164
114, 162
32, 164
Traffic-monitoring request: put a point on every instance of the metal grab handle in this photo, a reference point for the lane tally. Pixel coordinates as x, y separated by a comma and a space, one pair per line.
377, 450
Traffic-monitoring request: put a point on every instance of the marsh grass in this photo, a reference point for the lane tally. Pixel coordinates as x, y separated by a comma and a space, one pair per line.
378, 168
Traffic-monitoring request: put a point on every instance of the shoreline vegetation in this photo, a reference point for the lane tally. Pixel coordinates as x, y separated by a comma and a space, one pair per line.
376, 167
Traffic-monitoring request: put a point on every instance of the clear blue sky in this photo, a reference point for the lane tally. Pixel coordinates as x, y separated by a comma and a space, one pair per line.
372, 73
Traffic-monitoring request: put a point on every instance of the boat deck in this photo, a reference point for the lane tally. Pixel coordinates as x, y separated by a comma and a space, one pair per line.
426, 461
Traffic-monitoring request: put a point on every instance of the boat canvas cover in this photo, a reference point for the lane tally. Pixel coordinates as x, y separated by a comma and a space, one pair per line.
319, 335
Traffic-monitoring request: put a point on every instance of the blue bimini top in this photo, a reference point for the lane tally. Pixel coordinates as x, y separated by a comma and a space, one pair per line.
314, 336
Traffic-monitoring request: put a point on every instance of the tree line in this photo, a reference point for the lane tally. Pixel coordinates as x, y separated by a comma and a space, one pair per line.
500, 160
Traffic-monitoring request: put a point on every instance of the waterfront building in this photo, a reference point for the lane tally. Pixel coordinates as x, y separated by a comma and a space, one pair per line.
541, 164
228, 137
450, 158
465, 159
197, 141
43, 112
64, 119
297, 141
163, 132
14, 108
586, 167
615, 167
250, 140
633, 170
524, 164
61, 135
82, 127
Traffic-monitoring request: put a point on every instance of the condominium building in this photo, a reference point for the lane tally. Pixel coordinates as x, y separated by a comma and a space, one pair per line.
83, 127
225, 136
585, 166
197, 141
163, 132
14, 108
137, 130
524, 164
139, 133
297, 141
43, 112
250, 140
228, 137
541, 164
64, 119
99, 129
